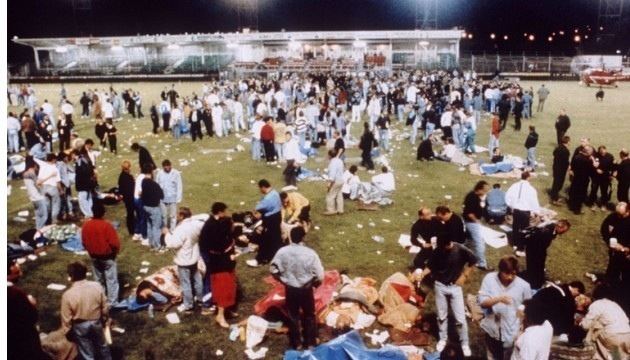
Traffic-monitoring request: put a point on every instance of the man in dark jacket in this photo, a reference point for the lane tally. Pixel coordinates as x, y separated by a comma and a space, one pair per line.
126, 185
85, 182
530, 145
518, 112
581, 171
144, 156
504, 110
601, 179
622, 173
561, 157
617, 226
563, 123
537, 241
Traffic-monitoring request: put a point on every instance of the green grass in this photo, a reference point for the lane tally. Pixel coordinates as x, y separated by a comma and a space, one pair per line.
340, 243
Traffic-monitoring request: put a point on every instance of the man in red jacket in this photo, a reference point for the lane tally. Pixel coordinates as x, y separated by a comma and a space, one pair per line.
101, 242
267, 137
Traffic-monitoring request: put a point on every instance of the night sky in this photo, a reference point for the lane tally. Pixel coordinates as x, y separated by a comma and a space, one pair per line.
55, 18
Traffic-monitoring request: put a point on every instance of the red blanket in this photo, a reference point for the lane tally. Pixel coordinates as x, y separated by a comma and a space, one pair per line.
275, 297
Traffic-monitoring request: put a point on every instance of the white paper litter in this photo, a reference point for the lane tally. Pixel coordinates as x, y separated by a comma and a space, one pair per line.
404, 240
145, 263
259, 354
23, 213
255, 332
493, 238
173, 318
118, 330
56, 287
43, 253
32, 257
386, 221
448, 197
143, 270
216, 184
219, 352
360, 226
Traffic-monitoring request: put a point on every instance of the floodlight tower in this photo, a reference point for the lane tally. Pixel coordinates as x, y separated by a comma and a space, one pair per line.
609, 19
83, 19
426, 14
247, 14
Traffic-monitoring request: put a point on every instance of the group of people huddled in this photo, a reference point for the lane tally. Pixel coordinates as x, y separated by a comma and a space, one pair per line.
287, 119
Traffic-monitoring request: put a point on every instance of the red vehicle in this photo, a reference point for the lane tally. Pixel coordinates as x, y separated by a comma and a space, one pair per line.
603, 77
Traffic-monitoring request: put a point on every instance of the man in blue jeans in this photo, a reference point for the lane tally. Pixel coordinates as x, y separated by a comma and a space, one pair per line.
101, 242
474, 204
84, 310
450, 264
151, 197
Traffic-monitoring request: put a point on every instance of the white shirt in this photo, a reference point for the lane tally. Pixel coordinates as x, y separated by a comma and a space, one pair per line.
384, 181
607, 314
46, 170
522, 196
257, 128
291, 150
108, 110
67, 109
446, 119
411, 94
449, 150
13, 124
185, 238
165, 107
349, 180
48, 109
212, 99
534, 343
237, 108
261, 109
137, 190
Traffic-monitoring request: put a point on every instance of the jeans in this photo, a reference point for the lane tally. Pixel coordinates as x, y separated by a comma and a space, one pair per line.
356, 113
493, 143
457, 136
383, 135
154, 225
106, 273
13, 142
531, 157
169, 215
55, 201
255, 149
301, 299
279, 153
430, 128
85, 203
41, 213
90, 340
400, 110
186, 274
469, 143
140, 226
414, 133
452, 295
176, 131
66, 201
302, 140
476, 243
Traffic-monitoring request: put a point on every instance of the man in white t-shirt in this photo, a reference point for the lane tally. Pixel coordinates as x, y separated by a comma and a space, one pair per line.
67, 109
49, 180
108, 111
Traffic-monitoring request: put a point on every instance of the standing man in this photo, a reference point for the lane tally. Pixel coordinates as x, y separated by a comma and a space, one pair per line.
474, 205
522, 198
13, 133
170, 180
101, 242
256, 132
300, 270
451, 264
622, 173
383, 124
617, 226
144, 156
151, 196
185, 238
85, 182
84, 310
537, 240
543, 92
67, 109
165, 110
500, 295
292, 155
50, 181
334, 196
518, 112
422, 231
561, 156
563, 123
269, 208
582, 167
601, 179
530, 144
126, 185
267, 137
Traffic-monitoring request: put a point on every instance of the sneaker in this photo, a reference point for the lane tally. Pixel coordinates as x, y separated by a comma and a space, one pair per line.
440, 346
144, 242
519, 253
466, 350
136, 237
183, 309
252, 263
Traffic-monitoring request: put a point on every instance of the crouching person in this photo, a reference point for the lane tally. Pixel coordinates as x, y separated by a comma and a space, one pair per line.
185, 238
300, 270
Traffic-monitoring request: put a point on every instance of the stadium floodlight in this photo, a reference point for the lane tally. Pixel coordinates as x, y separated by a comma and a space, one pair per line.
577, 38
117, 48
505, 37
423, 43
492, 36
550, 39
232, 45
172, 46
531, 37
618, 51
359, 43
61, 49
470, 36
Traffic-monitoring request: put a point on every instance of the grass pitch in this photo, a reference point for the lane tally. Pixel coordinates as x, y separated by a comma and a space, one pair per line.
340, 243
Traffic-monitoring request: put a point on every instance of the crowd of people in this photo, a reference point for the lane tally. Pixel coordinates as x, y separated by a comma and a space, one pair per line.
285, 121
